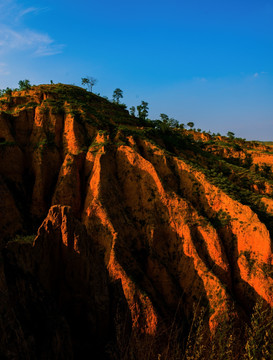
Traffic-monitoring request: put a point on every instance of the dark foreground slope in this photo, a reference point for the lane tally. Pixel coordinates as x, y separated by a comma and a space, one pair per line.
141, 228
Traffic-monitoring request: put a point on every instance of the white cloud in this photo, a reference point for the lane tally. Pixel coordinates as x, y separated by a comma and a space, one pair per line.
22, 40
18, 37
49, 49
30, 10
259, 74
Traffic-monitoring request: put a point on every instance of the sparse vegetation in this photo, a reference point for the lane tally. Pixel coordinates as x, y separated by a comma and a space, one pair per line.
24, 239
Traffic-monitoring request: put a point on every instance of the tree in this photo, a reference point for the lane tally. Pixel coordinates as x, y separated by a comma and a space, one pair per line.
143, 110
117, 95
172, 123
163, 124
190, 124
85, 82
24, 84
89, 82
231, 135
8, 92
166, 123
132, 111
164, 117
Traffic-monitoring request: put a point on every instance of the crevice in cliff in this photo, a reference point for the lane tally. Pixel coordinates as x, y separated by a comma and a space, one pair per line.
201, 248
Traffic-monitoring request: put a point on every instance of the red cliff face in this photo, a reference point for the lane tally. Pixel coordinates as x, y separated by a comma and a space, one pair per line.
137, 227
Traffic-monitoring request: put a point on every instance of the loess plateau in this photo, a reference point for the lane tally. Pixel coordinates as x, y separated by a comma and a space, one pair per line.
117, 231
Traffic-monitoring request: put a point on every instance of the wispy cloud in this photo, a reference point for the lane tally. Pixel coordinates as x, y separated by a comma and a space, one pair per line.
9, 10
34, 11
49, 49
17, 36
23, 40
259, 74
28, 11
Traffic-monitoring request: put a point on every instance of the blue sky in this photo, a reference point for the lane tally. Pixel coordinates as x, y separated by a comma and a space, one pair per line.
210, 62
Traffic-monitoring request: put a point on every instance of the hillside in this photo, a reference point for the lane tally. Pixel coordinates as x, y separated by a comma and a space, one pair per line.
116, 232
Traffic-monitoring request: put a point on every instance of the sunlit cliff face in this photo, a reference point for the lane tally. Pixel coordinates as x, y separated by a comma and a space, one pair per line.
171, 219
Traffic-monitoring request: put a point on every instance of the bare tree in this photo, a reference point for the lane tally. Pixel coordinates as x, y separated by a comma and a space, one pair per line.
89, 81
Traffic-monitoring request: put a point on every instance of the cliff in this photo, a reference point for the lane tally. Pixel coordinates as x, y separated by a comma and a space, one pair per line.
113, 230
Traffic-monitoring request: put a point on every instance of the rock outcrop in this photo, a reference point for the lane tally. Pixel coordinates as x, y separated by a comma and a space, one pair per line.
57, 292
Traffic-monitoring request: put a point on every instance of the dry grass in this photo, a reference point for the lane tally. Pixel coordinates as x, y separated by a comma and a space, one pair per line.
248, 341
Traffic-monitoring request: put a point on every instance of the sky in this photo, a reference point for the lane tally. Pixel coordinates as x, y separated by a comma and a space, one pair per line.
209, 62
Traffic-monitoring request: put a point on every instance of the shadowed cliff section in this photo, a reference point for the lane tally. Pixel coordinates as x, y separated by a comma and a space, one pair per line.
138, 225
59, 293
